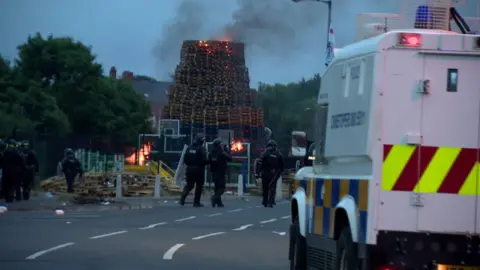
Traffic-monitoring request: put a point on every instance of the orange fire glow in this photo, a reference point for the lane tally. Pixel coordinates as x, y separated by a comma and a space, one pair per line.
237, 146
211, 48
223, 38
143, 153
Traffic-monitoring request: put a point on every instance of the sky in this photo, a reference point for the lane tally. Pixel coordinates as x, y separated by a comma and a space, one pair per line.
285, 41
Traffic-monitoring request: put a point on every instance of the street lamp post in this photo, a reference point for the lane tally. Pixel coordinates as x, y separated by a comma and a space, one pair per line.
329, 14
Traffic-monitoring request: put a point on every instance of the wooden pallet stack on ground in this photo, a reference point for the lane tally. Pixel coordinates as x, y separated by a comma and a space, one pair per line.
245, 114
223, 116
257, 117
198, 114
211, 116
235, 116
103, 185
211, 75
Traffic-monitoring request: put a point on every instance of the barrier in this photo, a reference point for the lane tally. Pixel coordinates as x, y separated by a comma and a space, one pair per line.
158, 186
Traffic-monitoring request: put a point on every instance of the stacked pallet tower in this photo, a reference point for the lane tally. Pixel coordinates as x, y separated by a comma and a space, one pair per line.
211, 92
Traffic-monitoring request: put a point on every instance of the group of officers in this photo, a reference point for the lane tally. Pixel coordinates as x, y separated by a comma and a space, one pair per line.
18, 165
269, 167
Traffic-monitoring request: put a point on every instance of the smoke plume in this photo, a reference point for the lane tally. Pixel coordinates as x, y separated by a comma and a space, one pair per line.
285, 41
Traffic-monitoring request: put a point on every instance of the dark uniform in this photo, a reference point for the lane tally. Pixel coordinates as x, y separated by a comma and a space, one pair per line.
3, 146
28, 171
12, 167
196, 159
270, 166
218, 159
71, 167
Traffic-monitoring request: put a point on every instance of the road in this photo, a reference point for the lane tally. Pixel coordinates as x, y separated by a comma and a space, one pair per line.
242, 235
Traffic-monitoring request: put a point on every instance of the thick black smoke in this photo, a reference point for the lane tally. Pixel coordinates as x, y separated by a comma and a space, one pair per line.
284, 40
274, 31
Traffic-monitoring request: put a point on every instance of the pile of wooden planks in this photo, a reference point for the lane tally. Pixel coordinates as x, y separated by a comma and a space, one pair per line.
212, 86
103, 185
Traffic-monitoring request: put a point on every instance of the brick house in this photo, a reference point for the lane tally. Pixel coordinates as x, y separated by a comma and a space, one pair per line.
156, 92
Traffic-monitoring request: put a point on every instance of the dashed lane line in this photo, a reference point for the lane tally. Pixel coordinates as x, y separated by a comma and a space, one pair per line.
235, 210
207, 235
244, 227
183, 219
214, 215
107, 235
169, 254
151, 226
43, 252
285, 217
268, 221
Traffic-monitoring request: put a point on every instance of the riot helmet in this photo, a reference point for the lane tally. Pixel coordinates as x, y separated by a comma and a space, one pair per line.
199, 139
11, 143
25, 144
69, 152
217, 142
271, 145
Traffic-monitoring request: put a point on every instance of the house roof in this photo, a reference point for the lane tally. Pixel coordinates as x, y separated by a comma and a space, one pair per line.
156, 92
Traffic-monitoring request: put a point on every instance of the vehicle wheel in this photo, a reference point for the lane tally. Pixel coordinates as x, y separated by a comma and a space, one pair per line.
298, 248
347, 256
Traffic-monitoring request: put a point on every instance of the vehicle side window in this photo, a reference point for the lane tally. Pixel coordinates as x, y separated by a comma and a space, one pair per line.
321, 132
452, 80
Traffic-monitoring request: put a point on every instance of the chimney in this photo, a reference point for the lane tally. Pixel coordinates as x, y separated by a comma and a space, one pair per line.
113, 73
128, 75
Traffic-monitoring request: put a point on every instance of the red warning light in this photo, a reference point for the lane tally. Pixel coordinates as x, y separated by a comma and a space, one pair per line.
410, 40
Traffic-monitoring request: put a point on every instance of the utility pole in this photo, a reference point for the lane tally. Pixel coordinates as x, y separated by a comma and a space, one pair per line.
329, 14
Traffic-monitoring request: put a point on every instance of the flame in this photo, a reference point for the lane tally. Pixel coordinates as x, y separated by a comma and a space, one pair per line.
237, 146
142, 155
224, 38
223, 45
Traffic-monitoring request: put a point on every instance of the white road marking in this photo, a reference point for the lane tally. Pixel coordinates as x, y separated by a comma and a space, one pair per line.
258, 206
42, 252
169, 254
187, 218
241, 228
268, 221
107, 235
279, 233
207, 235
151, 226
214, 215
236, 210
283, 202
285, 217
250, 207
82, 216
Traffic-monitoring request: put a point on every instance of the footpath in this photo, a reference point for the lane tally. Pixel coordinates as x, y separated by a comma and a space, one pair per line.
50, 202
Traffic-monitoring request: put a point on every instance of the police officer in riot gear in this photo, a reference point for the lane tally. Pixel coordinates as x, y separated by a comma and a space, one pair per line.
12, 166
218, 158
270, 166
31, 167
71, 167
3, 146
196, 159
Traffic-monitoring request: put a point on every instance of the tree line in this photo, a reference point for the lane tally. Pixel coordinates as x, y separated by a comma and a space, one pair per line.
289, 107
56, 88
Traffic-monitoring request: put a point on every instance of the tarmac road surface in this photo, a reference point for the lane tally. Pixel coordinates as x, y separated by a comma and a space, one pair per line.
243, 235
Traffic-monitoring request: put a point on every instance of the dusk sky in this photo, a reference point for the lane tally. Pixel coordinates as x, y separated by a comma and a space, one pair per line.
285, 40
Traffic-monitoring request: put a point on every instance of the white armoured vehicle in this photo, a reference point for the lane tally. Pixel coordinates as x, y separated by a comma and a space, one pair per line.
395, 183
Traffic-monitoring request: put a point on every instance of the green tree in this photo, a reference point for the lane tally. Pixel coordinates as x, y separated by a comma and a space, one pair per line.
62, 89
289, 107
